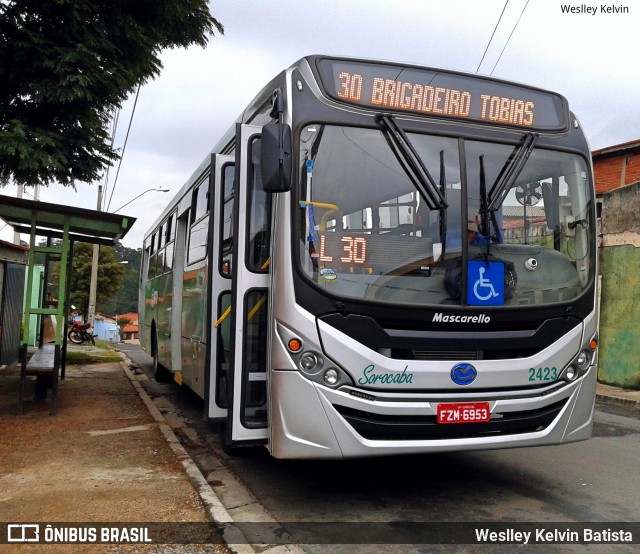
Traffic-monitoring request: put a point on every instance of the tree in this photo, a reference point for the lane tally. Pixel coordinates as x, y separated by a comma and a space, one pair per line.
110, 275
122, 323
124, 300
65, 65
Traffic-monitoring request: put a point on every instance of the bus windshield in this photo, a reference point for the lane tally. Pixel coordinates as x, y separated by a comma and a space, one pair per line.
381, 222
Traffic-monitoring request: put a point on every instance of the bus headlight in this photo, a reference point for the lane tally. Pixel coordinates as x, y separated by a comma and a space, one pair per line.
331, 377
310, 362
570, 373
305, 353
579, 366
583, 360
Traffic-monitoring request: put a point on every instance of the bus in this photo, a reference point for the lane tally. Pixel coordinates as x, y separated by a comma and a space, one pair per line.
381, 258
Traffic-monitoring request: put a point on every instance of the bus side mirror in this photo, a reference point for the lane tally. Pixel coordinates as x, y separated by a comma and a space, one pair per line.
276, 160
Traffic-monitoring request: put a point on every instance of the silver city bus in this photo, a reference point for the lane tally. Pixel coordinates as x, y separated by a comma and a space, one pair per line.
383, 259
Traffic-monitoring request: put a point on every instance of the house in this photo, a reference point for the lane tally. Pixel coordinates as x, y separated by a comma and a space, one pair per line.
106, 328
615, 167
130, 331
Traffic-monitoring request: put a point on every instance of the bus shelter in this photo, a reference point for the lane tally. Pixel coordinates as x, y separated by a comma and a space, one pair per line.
67, 225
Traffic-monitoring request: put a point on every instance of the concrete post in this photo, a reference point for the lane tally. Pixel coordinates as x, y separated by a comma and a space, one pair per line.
91, 312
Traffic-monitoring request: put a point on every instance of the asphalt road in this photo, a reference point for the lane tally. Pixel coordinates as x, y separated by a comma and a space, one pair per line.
593, 481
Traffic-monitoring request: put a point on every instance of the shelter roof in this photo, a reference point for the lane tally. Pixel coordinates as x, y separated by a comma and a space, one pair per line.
85, 225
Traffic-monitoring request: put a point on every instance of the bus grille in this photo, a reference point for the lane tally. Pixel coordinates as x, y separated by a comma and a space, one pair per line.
436, 355
401, 427
503, 353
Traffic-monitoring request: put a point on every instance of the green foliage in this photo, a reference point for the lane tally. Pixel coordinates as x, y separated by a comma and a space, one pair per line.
110, 275
122, 323
65, 65
124, 300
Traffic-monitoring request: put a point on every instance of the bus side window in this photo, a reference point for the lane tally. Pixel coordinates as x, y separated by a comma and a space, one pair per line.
145, 266
199, 223
200, 201
151, 272
170, 231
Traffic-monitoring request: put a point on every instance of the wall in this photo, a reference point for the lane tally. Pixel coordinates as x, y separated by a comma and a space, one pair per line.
106, 330
619, 362
11, 310
616, 169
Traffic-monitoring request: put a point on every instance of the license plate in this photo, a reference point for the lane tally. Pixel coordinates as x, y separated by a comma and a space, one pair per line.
463, 412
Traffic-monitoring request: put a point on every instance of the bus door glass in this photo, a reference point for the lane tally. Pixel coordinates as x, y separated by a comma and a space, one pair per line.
223, 170
247, 414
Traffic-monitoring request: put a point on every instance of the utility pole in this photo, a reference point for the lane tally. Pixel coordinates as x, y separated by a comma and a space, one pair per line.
91, 312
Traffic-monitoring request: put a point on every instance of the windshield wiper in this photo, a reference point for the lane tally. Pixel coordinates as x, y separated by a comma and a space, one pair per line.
443, 210
412, 163
515, 164
487, 218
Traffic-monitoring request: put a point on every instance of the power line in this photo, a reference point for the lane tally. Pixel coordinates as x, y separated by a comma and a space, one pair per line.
114, 127
512, 31
492, 35
113, 188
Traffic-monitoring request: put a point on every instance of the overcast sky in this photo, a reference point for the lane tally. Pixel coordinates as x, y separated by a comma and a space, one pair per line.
591, 59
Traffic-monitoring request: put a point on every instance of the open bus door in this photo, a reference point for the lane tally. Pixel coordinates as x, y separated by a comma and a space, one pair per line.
247, 384
220, 240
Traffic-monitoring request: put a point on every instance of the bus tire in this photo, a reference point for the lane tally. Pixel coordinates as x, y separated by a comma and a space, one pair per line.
160, 373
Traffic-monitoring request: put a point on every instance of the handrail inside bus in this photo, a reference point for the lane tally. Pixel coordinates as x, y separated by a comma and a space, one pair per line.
303, 204
258, 305
333, 208
253, 312
222, 317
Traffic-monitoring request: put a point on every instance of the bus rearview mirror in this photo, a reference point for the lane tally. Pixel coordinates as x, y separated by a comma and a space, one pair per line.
275, 157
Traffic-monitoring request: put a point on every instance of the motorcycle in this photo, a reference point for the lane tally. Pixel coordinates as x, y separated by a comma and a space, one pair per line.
80, 333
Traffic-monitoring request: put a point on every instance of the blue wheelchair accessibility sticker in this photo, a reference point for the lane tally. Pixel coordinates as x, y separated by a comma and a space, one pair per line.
485, 284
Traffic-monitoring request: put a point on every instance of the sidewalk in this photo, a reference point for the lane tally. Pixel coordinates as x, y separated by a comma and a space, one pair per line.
103, 458
617, 395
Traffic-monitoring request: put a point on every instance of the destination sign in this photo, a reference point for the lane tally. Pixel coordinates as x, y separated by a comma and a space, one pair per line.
372, 252
444, 94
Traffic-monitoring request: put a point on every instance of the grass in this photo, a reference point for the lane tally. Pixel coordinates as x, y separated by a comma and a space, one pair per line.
102, 352
83, 354
92, 357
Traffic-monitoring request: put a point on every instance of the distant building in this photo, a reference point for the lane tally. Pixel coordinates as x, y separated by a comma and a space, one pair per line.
523, 222
130, 331
106, 328
615, 167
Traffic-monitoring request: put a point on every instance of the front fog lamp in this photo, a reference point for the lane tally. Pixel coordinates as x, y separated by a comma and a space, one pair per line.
571, 373
331, 376
583, 360
310, 362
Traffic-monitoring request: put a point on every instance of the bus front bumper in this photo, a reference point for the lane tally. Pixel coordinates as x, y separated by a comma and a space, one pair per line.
308, 420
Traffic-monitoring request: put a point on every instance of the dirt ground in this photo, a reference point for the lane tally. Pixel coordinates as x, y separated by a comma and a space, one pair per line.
102, 458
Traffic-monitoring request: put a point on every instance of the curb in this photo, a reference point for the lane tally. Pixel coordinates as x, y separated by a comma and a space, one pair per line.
231, 534
618, 400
